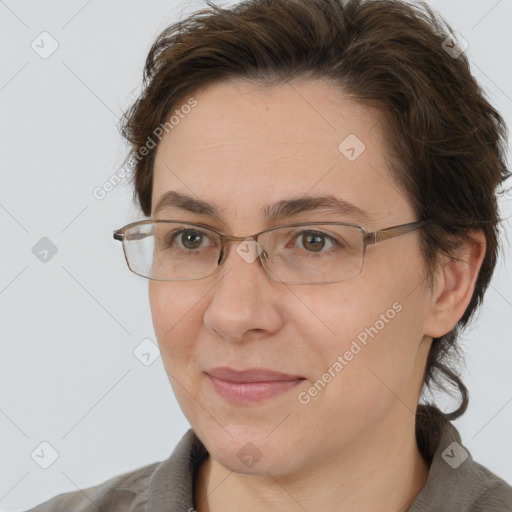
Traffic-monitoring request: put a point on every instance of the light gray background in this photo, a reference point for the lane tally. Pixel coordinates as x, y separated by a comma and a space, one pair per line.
69, 326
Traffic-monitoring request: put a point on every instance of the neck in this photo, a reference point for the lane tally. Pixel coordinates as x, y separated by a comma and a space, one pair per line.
380, 471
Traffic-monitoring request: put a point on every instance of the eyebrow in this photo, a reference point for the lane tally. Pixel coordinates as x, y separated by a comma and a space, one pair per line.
284, 208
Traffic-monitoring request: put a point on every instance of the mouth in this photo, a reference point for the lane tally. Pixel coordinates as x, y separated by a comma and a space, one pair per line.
252, 385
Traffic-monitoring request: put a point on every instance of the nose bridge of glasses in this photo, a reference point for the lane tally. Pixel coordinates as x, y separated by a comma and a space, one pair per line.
248, 248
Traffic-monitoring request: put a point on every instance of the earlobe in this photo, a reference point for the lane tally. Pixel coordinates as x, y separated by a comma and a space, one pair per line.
454, 284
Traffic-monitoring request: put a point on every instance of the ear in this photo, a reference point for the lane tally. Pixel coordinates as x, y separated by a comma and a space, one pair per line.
454, 284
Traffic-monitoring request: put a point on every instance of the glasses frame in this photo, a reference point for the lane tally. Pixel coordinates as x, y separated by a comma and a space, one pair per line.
369, 238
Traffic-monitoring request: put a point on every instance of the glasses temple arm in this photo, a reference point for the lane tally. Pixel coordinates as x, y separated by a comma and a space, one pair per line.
386, 234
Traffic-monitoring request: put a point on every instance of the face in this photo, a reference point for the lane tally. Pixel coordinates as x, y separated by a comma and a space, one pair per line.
353, 352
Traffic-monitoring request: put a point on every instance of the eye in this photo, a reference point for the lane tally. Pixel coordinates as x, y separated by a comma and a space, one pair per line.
187, 240
191, 239
316, 241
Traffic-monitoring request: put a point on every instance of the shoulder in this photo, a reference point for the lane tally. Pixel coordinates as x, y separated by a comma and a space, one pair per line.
496, 494
457, 482
166, 485
128, 492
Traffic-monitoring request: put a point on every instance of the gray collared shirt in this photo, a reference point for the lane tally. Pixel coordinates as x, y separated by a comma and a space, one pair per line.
455, 484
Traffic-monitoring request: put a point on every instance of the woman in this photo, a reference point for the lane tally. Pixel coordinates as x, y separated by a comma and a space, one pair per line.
320, 180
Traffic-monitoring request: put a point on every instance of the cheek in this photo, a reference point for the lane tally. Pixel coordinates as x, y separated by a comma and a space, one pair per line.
332, 318
177, 318
364, 347
176, 313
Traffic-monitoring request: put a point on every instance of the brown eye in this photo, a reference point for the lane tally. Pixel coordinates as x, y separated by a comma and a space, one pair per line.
186, 240
191, 239
313, 242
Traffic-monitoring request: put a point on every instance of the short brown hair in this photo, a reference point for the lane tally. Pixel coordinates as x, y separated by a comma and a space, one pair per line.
448, 144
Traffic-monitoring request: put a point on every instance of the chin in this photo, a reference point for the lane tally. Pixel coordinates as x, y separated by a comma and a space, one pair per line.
252, 449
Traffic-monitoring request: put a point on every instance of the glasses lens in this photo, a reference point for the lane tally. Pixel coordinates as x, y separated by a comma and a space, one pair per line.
310, 254
305, 254
171, 251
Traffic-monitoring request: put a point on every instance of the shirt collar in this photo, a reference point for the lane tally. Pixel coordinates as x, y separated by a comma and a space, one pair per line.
452, 468
172, 485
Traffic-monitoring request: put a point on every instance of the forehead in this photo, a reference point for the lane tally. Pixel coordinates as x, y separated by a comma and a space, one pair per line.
245, 146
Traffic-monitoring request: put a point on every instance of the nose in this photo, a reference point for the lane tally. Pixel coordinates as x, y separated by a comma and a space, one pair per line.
244, 303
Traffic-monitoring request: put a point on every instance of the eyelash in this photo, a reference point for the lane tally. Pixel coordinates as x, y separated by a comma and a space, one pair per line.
336, 244
170, 239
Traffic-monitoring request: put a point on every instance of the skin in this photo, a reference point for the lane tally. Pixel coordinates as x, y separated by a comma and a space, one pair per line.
352, 447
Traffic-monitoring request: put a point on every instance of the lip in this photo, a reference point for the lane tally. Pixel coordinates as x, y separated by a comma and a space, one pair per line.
251, 385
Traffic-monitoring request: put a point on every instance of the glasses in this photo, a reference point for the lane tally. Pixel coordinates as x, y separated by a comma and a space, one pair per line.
302, 253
